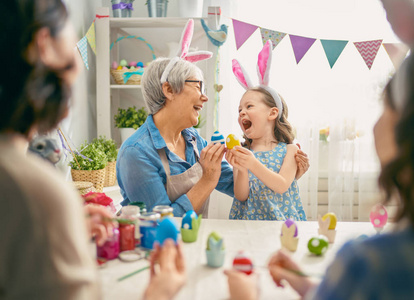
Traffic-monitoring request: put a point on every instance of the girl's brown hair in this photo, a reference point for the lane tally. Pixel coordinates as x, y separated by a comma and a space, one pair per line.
397, 177
283, 131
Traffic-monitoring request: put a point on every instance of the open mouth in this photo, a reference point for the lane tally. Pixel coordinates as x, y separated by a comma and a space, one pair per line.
198, 107
246, 124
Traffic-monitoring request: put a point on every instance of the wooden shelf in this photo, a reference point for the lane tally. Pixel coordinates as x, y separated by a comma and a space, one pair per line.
125, 86
151, 22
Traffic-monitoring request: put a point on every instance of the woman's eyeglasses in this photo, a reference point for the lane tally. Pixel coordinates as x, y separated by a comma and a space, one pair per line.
202, 86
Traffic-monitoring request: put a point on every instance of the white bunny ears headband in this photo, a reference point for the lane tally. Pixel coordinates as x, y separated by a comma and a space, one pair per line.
186, 37
263, 68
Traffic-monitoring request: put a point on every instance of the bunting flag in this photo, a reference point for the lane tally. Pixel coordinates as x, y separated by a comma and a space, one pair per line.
300, 45
275, 36
333, 49
90, 35
368, 50
83, 50
242, 31
397, 52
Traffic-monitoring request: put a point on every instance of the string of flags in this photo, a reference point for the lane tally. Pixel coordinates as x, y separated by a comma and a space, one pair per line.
88, 38
332, 48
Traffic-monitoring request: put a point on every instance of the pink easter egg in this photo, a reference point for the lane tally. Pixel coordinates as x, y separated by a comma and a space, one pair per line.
132, 64
124, 68
290, 222
378, 216
114, 65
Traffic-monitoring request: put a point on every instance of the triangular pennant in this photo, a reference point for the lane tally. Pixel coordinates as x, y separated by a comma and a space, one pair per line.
275, 36
396, 52
83, 50
242, 31
368, 50
333, 49
90, 35
300, 45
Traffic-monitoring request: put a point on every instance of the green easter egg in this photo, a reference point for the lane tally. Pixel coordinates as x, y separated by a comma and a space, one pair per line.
318, 245
123, 63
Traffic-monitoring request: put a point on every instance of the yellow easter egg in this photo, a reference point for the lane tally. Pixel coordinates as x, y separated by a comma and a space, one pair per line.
332, 217
119, 68
232, 141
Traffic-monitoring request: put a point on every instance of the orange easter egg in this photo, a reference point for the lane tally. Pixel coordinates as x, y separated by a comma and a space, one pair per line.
232, 141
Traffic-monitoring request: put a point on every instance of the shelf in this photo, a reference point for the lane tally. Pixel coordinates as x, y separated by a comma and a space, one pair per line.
126, 86
151, 22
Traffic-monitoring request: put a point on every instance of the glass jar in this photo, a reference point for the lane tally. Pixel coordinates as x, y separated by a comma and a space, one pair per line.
126, 236
164, 210
110, 250
141, 205
132, 213
148, 228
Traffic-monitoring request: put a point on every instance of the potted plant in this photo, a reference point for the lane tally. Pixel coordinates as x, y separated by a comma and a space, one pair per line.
108, 146
128, 120
89, 165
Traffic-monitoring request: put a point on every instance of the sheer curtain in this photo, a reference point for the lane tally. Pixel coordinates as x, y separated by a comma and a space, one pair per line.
346, 99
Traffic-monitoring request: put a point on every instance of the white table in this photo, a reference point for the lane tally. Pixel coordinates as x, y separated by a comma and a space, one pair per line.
259, 238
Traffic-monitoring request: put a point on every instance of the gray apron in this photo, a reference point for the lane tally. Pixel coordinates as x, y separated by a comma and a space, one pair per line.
180, 184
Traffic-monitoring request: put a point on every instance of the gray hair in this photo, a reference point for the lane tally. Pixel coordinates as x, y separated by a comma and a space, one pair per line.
151, 81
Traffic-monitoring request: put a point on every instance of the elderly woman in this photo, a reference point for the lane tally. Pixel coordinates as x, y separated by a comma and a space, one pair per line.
166, 162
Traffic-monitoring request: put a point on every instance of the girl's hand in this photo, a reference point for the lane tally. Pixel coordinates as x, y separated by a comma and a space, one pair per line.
232, 161
210, 159
170, 277
99, 222
242, 286
282, 267
244, 157
302, 161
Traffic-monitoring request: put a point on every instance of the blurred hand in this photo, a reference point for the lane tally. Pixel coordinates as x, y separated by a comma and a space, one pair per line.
302, 161
232, 160
210, 160
99, 222
170, 277
242, 286
280, 268
244, 157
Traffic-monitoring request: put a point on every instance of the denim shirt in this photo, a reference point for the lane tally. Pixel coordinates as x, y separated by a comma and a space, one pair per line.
141, 176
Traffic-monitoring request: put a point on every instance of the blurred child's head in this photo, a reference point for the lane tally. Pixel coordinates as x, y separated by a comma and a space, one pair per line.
397, 124
281, 128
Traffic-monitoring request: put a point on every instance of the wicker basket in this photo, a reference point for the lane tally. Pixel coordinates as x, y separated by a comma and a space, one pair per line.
110, 174
97, 177
132, 77
84, 187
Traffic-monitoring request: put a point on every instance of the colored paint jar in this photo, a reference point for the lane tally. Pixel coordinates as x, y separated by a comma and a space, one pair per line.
110, 250
126, 236
131, 212
148, 228
141, 205
164, 210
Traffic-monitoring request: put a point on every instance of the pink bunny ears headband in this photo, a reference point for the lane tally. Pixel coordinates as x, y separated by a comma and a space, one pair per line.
263, 68
186, 37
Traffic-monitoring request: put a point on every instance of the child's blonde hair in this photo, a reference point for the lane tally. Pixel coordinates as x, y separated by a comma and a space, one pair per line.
282, 131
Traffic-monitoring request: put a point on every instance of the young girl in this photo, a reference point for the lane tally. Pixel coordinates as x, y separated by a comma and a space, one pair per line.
265, 187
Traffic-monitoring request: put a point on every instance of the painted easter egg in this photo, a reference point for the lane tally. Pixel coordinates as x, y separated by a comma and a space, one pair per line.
217, 137
332, 218
132, 64
140, 64
123, 63
243, 263
132, 68
114, 65
188, 219
119, 68
318, 245
288, 223
214, 236
167, 229
378, 216
232, 141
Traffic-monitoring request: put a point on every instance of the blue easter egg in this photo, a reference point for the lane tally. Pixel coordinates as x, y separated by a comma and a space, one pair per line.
140, 64
217, 137
188, 219
167, 229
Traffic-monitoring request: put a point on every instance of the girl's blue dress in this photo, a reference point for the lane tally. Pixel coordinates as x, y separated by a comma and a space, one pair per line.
263, 203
